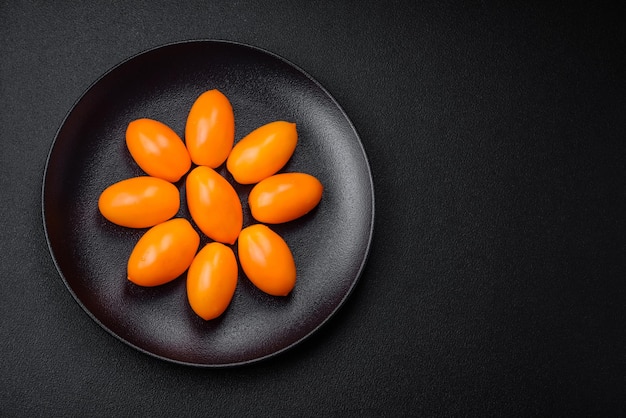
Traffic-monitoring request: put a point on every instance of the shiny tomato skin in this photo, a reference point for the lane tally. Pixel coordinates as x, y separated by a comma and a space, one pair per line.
211, 280
214, 205
263, 152
210, 129
284, 197
163, 253
139, 202
157, 149
267, 260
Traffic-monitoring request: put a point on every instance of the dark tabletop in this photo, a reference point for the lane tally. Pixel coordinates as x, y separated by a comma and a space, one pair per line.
496, 281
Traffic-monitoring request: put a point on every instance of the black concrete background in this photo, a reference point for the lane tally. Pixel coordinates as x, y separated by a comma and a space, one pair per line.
496, 279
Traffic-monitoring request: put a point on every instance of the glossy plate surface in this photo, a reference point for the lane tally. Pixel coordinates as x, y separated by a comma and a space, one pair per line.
330, 244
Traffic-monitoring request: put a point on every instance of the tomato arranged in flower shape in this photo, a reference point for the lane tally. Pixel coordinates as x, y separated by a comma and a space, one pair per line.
170, 246
284, 197
157, 149
139, 202
163, 253
211, 280
262, 152
267, 260
210, 129
214, 205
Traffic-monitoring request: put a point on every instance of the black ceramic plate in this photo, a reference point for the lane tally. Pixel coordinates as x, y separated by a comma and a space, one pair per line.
330, 244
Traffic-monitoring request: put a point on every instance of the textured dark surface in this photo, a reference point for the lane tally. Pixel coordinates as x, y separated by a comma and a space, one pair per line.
496, 281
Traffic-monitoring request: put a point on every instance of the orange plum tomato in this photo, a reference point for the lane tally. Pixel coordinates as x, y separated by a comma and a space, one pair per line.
267, 260
214, 205
284, 197
163, 253
139, 202
210, 129
211, 280
157, 149
262, 152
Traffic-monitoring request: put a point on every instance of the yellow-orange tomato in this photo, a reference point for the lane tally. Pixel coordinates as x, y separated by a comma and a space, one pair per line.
211, 280
210, 129
262, 152
163, 253
157, 149
267, 260
214, 205
139, 202
284, 197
